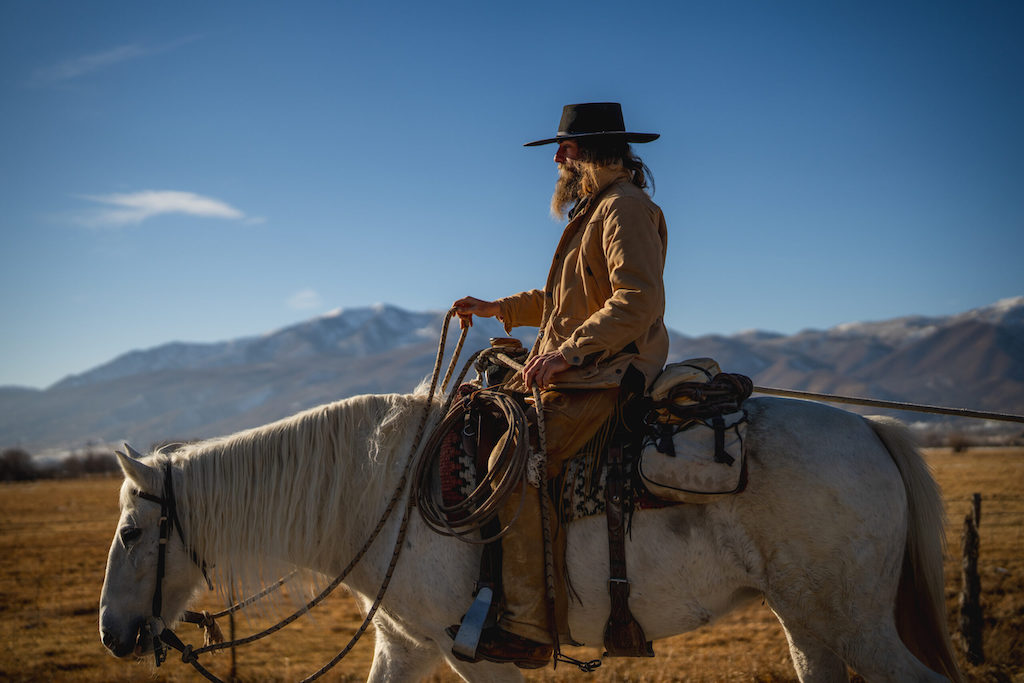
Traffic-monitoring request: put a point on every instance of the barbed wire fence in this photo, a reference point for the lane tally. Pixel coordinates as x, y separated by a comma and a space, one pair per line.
993, 552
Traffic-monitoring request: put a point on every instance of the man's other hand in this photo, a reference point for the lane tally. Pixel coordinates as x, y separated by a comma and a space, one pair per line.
541, 369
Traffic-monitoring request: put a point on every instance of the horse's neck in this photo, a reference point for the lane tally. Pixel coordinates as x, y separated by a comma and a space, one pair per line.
301, 491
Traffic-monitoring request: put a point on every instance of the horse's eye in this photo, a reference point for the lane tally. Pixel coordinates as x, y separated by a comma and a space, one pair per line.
130, 534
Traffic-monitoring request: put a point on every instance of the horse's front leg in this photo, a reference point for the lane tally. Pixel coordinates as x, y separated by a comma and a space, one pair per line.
399, 657
485, 672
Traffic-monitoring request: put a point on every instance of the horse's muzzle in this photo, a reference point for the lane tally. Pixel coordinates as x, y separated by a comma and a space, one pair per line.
125, 647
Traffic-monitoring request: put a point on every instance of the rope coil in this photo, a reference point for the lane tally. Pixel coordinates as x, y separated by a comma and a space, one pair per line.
508, 469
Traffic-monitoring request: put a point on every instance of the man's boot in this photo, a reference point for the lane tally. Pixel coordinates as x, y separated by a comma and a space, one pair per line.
521, 636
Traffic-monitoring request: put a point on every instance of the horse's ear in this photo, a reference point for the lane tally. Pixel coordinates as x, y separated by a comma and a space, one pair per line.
146, 478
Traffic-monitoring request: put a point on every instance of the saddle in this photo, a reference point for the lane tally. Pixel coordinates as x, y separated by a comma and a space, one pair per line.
680, 444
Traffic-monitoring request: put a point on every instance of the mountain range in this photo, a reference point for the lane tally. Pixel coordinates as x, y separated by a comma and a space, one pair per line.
184, 390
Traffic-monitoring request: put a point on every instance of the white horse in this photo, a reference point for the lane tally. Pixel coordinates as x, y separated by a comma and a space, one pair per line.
839, 531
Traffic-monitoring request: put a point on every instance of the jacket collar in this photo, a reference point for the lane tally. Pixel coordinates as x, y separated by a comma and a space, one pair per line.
606, 175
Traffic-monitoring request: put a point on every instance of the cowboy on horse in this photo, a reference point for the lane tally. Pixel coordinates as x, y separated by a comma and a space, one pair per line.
602, 337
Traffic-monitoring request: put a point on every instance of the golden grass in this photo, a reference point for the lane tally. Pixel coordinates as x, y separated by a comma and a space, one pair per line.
54, 536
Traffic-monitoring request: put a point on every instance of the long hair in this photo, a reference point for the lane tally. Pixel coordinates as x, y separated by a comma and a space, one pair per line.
607, 150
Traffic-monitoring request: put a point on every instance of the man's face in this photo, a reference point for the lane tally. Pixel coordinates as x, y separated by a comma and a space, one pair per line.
570, 177
566, 156
567, 149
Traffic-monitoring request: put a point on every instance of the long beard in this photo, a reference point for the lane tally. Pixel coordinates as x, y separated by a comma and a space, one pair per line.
568, 189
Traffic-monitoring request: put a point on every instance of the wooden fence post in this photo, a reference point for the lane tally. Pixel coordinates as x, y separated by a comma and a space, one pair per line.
971, 618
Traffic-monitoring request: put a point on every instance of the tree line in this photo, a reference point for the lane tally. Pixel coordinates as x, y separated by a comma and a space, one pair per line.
17, 464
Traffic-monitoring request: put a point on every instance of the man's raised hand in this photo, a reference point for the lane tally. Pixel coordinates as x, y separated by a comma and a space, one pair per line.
468, 306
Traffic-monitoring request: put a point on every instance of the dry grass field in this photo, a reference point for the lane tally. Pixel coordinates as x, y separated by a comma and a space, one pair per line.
54, 536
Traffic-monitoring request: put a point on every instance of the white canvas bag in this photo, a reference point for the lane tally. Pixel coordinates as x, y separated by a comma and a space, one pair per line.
692, 460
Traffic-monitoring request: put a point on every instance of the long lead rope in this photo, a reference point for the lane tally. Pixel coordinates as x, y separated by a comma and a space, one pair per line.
894, 405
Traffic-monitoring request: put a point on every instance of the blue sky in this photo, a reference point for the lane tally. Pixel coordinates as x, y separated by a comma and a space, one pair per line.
201, 171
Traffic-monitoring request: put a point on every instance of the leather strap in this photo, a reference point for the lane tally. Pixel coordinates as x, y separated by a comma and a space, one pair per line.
479, 435
623, 635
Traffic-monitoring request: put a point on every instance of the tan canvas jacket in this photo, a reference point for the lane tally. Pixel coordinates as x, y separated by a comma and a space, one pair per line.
604, 300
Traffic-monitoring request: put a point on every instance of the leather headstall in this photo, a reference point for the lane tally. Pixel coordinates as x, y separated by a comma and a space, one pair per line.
169, 521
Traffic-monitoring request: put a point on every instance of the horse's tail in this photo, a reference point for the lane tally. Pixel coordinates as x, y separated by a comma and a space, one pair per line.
920, 601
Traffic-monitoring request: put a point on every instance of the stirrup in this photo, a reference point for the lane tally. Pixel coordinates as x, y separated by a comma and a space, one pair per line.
468, 636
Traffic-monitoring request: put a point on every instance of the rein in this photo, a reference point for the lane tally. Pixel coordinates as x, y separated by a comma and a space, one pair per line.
162, 636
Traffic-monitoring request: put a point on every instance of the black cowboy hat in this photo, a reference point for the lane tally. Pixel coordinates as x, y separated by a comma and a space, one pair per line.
592, 118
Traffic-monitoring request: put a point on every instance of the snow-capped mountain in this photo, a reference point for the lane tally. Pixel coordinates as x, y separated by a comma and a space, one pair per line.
182, 391
341, 334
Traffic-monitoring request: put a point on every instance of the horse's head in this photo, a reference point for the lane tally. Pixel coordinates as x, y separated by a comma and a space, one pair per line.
144, 584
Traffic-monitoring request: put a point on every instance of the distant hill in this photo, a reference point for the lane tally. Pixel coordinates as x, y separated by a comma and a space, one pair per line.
974, 359
184, 391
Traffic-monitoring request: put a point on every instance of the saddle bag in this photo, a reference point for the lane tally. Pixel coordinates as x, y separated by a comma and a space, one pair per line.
692, 450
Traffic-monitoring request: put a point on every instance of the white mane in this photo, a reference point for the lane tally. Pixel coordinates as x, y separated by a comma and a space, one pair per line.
294, 488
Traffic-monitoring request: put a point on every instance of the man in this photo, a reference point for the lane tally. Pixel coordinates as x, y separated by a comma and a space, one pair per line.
601, 332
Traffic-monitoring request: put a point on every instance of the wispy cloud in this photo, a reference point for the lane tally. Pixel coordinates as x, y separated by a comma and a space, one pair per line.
84, 64
304, 300
133, 208
77, 66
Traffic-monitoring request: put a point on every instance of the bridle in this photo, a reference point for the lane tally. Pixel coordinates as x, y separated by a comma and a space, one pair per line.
169, 521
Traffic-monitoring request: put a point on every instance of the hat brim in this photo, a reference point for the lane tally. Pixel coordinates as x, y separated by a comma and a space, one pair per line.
630, 137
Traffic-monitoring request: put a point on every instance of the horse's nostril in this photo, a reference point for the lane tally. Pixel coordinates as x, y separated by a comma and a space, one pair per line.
111, 642
108, 639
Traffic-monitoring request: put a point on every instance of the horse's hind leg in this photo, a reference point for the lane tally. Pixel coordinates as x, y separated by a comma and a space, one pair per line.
814, 663
883, 657
874, 650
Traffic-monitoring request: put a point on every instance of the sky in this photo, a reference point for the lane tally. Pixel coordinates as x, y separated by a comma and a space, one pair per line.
197, 171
